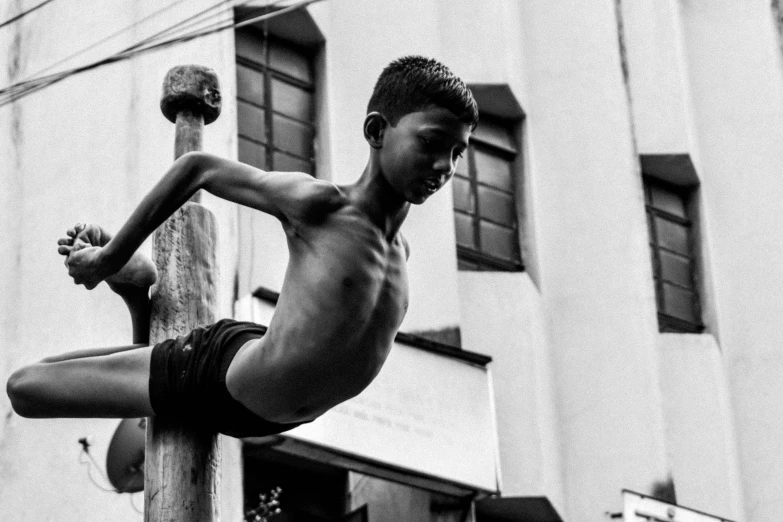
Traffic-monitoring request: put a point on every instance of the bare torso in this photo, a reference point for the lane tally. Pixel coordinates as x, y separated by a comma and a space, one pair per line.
344, 296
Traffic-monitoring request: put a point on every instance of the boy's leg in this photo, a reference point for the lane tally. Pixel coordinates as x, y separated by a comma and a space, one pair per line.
103, 382
91, 352
109, 382
132, 282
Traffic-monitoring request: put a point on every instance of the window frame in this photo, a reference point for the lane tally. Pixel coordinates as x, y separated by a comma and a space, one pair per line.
271, 73
668, 323
478, 257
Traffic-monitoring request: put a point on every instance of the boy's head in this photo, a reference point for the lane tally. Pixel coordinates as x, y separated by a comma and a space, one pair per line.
413, 83
419, 121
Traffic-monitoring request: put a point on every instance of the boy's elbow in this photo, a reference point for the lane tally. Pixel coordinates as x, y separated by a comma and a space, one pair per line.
193, 162
194, 167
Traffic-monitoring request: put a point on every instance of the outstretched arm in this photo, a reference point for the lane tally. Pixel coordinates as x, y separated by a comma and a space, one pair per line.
287, 196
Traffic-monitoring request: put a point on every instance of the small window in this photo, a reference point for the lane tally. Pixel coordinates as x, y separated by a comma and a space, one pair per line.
674, 265
275, 103
485, 209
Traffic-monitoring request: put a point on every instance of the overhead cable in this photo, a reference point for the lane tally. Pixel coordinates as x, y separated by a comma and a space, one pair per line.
24, 13
30, 82
19, 90
107, 38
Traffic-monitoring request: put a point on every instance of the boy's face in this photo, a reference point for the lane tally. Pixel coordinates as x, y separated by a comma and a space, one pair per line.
420, 154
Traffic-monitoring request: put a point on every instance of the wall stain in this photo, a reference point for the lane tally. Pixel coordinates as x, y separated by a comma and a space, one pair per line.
13, 70
133, 122
623, 51
11, 215
14, 192
664, 490
624, 66
621, 41
777, 15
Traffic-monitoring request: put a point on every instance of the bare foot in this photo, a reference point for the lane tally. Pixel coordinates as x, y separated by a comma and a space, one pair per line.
132, 282
136, 276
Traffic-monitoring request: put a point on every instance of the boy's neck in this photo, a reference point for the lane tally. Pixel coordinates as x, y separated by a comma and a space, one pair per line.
374, 196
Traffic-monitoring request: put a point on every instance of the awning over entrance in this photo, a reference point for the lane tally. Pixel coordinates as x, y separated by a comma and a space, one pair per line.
427, 420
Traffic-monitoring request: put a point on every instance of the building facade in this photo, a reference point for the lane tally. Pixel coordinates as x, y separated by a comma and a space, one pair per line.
611, 239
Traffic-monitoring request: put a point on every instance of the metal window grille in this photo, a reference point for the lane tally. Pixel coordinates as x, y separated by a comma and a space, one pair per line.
672, 251
485, 209
275, 103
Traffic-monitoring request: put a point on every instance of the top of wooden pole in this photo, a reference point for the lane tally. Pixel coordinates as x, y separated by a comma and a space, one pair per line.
192, 88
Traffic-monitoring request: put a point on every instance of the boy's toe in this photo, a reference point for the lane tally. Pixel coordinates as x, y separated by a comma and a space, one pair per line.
78, 244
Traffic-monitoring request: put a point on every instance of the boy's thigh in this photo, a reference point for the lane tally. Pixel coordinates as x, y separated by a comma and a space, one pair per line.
112, 386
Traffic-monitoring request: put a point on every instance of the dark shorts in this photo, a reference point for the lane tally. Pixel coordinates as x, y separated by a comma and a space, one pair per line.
188, 380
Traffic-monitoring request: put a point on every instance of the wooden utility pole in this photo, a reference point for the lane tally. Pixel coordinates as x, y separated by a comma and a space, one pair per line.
181, 464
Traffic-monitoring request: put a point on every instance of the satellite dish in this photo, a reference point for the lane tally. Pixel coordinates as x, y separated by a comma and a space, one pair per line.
125, 458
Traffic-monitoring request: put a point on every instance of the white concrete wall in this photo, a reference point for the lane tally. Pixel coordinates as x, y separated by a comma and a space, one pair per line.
596, 281
503, 318
657, 76
469, 36
700, 425
734, 66
85, 149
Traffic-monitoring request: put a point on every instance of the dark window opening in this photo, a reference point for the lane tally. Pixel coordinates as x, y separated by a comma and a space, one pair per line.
311, 491
275, 103
485, 208
674, 264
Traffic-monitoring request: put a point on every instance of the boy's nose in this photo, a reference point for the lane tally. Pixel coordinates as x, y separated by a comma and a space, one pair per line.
443, 164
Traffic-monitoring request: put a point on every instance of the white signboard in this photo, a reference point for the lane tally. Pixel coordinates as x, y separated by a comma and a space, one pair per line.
641, 508
427, 413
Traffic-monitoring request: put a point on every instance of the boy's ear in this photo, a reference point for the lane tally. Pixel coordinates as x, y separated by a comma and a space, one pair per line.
374, 129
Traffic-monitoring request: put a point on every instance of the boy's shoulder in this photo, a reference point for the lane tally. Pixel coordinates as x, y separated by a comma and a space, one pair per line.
319, 197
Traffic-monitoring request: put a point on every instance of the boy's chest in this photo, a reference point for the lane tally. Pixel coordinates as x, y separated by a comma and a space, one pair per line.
356, 262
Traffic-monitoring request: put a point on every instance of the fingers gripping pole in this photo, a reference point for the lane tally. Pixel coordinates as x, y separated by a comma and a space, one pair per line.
181, 464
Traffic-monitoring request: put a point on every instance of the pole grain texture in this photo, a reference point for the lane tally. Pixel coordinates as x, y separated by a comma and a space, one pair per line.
181, 470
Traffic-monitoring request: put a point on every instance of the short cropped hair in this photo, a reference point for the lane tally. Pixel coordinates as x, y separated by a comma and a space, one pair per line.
413, 83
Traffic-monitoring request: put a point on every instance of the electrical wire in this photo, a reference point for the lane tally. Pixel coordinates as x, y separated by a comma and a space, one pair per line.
86, 451
107, 38
269, 5
192, 21
17, 91
187, 22
91, 463
269, 16
23, 88
24, 13
133, 505
36, 80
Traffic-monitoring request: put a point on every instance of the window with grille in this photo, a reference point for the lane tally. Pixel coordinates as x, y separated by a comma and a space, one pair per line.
275, 103
485, 209
674, 264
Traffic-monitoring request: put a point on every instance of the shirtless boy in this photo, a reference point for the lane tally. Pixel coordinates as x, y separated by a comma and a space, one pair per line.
344, 295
